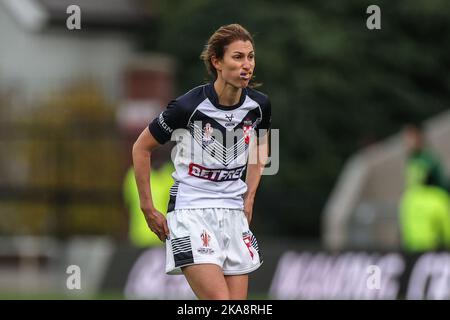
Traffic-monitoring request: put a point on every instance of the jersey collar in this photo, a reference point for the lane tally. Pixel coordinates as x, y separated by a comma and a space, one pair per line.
212, 96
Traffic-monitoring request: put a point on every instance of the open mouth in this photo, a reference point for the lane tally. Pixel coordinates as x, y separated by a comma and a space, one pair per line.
245, 75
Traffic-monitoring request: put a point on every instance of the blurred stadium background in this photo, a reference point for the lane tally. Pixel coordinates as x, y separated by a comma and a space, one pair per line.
72, 101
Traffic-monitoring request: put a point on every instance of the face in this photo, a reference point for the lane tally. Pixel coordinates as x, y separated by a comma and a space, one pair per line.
413, 139
236, 67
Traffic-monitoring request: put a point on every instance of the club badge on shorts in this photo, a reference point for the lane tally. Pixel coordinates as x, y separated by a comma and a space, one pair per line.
205, 248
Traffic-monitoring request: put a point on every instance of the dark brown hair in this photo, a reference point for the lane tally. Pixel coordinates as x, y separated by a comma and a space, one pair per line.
218, 42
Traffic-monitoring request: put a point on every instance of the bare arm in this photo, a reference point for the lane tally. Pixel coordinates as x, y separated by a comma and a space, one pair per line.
142, 150
258, 156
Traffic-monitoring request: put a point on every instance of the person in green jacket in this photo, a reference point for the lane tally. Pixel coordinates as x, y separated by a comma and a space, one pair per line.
160, 182
425, 204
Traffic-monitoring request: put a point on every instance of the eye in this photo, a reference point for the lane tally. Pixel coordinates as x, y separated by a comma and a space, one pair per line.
238, 56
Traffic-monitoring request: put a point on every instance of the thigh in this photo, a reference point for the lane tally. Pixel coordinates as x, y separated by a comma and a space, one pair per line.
237, 286
207, 281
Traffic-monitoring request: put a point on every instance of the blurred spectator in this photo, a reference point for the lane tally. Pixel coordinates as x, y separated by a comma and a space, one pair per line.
422, 163
161, 180
425, 204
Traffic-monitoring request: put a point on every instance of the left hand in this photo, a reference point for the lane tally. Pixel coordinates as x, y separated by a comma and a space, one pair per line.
248, 208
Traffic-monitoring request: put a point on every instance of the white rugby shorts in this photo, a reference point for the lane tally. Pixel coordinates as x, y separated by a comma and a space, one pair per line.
211, 235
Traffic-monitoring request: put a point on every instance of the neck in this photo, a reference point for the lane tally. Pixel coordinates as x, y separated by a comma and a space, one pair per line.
228, 95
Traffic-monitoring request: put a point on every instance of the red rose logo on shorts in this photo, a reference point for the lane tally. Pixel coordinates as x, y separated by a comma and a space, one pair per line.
205, 249
205, 238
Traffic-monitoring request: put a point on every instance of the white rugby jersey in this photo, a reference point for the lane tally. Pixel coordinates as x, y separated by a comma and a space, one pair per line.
212, 145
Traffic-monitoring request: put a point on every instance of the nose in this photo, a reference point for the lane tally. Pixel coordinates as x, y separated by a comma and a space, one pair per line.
247, 65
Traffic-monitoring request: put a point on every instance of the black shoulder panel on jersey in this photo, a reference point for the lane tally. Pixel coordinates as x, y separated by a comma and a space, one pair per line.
190, 100
176, 115
266, 108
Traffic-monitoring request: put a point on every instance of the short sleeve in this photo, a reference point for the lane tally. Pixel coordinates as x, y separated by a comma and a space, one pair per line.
266, 118
169, 120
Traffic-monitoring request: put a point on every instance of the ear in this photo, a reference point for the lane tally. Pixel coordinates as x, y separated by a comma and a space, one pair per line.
217, 63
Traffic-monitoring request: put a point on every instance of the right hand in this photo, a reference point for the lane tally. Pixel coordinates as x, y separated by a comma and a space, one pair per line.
157, 223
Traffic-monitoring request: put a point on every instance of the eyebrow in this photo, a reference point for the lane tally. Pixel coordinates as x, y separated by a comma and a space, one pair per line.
243, 52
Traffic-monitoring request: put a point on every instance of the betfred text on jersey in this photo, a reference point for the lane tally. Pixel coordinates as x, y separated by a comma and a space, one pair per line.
215, 174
